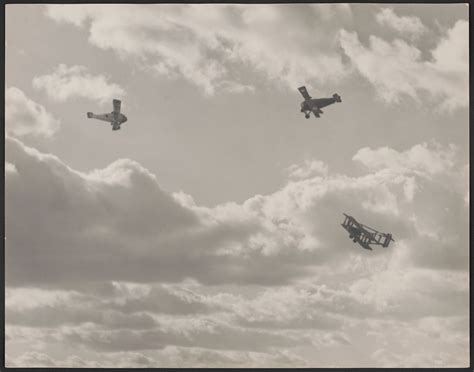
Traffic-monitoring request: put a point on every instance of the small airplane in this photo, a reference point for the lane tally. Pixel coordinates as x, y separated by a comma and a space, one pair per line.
314, 105
365, 235
115, 117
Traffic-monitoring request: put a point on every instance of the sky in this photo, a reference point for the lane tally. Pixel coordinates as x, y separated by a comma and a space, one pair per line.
206, 232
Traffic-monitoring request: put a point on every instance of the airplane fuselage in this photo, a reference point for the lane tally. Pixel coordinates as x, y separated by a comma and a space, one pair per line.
316, 103
111, 117
115, 118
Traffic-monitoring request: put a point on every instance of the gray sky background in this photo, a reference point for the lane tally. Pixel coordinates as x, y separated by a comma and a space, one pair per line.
207, 231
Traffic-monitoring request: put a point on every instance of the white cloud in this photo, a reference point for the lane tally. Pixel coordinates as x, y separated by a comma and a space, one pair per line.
397, 69
75, 81
28, 298
198, 357
408, 25
426, 158
33, 359
209, 44
10, 168
24, 117
170, 357
310, 169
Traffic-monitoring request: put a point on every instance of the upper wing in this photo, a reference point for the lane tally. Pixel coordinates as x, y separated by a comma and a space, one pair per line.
117, 105
304, 92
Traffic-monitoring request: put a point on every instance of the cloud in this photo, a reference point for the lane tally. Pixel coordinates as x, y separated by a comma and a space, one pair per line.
211, 45
433, 332
262, 280
273, 239
75, 81
33, 359
427, 160
408, 25
430, 158
10, 168
268, 324
310, 169
126, 306
210, 335
171, 356
25, 117
198, 357
396, 69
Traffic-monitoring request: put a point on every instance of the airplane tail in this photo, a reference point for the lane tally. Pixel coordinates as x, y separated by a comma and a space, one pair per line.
90, 115
337, 97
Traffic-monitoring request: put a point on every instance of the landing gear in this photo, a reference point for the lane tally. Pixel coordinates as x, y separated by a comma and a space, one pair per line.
306, 116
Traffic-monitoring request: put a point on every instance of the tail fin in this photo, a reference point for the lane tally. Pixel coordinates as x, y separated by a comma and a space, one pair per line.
337, 97
90, 115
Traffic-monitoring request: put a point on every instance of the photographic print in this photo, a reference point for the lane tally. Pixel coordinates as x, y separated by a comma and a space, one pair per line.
236, 185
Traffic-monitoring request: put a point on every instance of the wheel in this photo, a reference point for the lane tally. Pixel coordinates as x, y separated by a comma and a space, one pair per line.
306, 116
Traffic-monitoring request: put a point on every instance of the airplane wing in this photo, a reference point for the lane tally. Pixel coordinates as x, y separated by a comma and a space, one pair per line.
316, 112
115, 125
117, 105
304, 92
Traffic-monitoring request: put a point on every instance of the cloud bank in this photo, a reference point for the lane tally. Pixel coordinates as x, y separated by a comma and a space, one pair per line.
105, 212
67, 82
408, 25
212, 45
124, 269
23, 116
205, 43
397, 69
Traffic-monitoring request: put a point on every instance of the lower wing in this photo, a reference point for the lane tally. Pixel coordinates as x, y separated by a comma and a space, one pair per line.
115, 125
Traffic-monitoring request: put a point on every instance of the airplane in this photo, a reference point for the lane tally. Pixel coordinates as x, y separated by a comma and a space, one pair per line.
314, 105
365, 235
116, 118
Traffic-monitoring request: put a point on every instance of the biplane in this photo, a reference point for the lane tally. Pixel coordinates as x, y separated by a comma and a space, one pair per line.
365, 235
314, 105
115, 118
